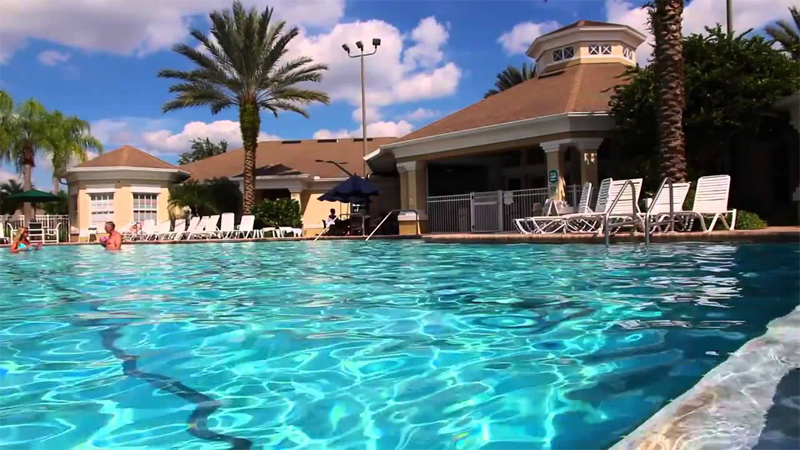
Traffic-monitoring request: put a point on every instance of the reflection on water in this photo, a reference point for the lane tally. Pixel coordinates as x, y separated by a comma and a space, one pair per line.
386, 345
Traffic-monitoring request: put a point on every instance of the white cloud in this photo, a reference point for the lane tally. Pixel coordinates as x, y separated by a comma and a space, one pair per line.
376, 129
697, 15
132, 28
395, 74
165, 141
523, 34
420, 114
120, 131
429, 36
53, 57
373, 115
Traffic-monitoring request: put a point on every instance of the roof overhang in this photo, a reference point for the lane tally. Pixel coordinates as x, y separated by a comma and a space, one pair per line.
381, 159
621, 33
125, 173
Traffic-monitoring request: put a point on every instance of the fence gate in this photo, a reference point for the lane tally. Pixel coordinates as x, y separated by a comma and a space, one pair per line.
487, 211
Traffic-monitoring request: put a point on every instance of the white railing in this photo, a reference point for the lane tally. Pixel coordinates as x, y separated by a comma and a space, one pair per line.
488, 211
450, 213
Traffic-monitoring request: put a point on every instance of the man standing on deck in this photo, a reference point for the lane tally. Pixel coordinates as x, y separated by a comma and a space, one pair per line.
114, 239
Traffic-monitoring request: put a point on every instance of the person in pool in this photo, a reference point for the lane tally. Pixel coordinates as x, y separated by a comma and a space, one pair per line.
114, 239
21, 243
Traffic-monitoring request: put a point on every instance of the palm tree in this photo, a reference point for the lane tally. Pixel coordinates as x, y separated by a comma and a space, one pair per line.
786, 34
241, 67
202, 149
665, 19
9, 187
511, 77
71, 139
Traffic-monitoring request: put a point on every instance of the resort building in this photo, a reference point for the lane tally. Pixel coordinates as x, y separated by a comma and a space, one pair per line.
302, 170
123, 185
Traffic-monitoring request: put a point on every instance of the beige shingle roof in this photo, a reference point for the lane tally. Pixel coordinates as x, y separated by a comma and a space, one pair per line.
128, 156
578, 88
289, 158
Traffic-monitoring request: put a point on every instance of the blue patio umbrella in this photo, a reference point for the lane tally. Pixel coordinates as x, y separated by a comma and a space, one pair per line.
354, 190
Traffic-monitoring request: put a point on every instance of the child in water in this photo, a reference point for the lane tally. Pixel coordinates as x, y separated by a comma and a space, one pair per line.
21, 243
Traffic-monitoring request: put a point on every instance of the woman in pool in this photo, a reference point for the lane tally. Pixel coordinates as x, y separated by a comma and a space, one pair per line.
21, 243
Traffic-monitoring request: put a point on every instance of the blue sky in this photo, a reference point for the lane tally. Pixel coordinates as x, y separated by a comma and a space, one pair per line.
98, 60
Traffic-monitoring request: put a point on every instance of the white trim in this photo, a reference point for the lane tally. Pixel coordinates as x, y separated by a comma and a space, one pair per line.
111, 168
504, 132
554, 146
100, 189
146, 189
622, 33
408, 166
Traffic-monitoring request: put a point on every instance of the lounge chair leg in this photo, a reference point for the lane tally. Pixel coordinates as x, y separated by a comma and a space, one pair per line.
713, 222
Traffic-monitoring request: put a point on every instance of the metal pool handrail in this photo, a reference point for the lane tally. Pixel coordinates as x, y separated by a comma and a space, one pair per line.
671, 214
416, 213
614, 203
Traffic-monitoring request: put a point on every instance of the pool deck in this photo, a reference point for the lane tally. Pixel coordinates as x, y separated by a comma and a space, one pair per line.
771, 234
727, 408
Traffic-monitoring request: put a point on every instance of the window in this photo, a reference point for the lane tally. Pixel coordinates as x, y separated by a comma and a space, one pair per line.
563, 53
600, 49
628, 53
102, 208
145, 207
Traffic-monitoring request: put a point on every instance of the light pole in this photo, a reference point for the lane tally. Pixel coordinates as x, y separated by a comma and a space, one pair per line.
375, 42
729, 12
337, 164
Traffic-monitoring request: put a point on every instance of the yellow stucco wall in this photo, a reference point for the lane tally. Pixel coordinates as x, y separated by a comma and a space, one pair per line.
123, 200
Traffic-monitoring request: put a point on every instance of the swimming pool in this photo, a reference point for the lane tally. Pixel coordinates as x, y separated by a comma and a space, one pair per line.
385, 345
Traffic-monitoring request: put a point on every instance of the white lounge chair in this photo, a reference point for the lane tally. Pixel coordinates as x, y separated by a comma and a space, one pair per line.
659, 210
162, 229
51, 234
127, 231
711, 202
207, 228
245, 228
227, 226
558, 223
296, 232
194, 223
621, 208
148, 228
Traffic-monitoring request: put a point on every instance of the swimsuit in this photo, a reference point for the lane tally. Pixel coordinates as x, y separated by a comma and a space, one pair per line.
22, 246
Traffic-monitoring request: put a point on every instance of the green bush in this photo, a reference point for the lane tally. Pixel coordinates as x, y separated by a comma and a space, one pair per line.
283, 212
746, 220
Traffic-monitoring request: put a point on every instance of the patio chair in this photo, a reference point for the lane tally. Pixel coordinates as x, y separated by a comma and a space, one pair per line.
88, 233
51, 234
245, 228
296, 232
227, 226
658, 211
36, 232
624, 210
3, 238
129, 230
554, 224
148, 228
273, 231
162, 229
710, 202
180, 225
207, 228
194, 223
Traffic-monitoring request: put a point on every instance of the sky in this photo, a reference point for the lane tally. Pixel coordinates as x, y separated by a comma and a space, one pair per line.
98, 59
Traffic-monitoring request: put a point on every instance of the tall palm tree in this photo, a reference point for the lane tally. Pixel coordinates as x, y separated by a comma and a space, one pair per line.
666, 22
26, 132
786, 34
242, 67
71, 139
511, 77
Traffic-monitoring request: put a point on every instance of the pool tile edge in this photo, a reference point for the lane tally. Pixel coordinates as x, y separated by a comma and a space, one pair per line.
727, 408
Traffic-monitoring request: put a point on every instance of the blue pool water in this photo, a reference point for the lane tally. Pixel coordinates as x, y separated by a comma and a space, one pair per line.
385, 345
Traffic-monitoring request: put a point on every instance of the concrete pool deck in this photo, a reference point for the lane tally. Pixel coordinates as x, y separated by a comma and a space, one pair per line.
771, 234
728, 407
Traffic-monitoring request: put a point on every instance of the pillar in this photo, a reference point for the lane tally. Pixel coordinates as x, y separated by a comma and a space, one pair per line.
587, 149
554, 152
413, 196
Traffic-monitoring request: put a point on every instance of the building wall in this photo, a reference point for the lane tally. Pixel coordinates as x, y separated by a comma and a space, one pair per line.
123, 200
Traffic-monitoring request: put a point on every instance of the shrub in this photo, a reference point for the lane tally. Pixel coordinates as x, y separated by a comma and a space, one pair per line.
283, 212
746, 220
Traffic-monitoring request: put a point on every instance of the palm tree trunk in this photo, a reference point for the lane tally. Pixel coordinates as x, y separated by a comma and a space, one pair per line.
670, 85
250, 123
27, 179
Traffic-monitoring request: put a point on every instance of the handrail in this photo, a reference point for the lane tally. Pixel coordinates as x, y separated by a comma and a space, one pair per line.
327, 227
416, 213
614, 203
671, 212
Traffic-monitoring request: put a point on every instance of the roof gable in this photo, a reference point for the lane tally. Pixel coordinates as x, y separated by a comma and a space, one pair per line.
127, 156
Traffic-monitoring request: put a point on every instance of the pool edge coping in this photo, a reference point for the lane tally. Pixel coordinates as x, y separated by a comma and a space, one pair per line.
728, 407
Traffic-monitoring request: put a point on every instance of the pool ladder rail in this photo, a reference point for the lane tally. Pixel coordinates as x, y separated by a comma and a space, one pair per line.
635, 219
